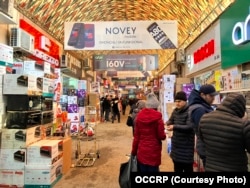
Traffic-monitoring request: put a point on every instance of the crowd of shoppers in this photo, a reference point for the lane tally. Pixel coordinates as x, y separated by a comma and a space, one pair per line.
221, 135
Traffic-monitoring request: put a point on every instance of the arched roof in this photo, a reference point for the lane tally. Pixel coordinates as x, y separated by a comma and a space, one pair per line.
192, 16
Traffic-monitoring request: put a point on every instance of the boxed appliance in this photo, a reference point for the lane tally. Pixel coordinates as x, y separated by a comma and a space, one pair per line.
25, 103
43, 152
12, 158
42, 175
67, 152
20, 84
23, 119
20, 138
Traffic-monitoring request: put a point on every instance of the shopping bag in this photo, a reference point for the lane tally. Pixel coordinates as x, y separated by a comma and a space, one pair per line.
129, 121
125, 171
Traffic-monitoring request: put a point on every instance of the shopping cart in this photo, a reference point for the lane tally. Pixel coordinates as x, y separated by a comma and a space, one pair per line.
89, 157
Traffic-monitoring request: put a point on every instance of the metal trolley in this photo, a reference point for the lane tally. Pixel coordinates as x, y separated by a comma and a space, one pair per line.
88, 136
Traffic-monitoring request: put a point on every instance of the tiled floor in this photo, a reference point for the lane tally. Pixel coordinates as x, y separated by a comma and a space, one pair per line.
113, 143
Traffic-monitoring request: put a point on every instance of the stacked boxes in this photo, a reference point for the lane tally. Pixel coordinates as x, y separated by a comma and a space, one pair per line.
44, 163
29, 116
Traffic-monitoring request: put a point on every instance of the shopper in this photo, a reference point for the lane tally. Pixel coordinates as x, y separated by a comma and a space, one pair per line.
148, 136
199, 104
182, 151
141, 104
106, 105
124, 103
116, 108
226, 135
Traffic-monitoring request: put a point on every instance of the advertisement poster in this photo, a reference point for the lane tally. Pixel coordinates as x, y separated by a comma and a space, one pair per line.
120, 35
124, 62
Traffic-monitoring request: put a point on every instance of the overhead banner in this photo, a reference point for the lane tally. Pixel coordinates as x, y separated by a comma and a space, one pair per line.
120, 35
126, 62
129, 74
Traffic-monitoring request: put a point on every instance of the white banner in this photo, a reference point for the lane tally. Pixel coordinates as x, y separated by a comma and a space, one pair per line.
122, 35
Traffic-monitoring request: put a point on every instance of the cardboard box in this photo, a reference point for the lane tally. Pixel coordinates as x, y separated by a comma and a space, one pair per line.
93, 99
20, 138
21, 84
12, 159
43, 152
11, 178
42, 175
67, 152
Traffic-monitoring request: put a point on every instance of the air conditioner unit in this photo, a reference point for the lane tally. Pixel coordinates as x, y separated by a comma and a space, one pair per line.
7, 7
22, 41
180, 55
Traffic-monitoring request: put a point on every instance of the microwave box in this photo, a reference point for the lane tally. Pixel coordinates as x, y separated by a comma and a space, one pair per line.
20, 84
23, 103
39, 68
66, 146
43, 175
19, 138
12, 158
23, 119
29, 103
43, 152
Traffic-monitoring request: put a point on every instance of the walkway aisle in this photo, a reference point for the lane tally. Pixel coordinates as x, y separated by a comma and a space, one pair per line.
113, 142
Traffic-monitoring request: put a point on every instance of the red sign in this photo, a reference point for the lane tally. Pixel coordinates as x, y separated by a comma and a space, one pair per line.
45, 48
204, 52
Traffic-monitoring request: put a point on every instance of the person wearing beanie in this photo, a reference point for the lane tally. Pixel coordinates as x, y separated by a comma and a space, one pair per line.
138, 107
148, 136
182, 149
152, 101
226, 134
200, 102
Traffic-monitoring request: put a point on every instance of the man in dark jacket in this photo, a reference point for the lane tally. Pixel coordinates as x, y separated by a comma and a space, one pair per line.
106, 105
226, 135
148, 136
199, 104
115, 105
182, 152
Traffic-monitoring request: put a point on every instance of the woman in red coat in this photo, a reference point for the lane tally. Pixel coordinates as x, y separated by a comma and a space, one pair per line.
148, 136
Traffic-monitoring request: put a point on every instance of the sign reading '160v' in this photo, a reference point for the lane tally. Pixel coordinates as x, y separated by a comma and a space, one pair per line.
114, 64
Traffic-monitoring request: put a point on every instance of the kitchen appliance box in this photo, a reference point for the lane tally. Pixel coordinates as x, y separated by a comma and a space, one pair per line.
20, 84
13, 159
42, 175
67, 152
29, 103
43, 152
23, 119
19, 138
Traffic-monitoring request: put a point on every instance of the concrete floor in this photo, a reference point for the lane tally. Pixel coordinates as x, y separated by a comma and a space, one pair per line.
113, 142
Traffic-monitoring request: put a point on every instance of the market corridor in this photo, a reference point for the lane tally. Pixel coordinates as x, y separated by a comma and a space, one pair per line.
113, 143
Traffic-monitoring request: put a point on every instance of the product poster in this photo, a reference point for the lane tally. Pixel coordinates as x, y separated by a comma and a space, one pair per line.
123, 62
120, 35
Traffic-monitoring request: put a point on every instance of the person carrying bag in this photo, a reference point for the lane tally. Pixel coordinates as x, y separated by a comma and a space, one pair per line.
125, 172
